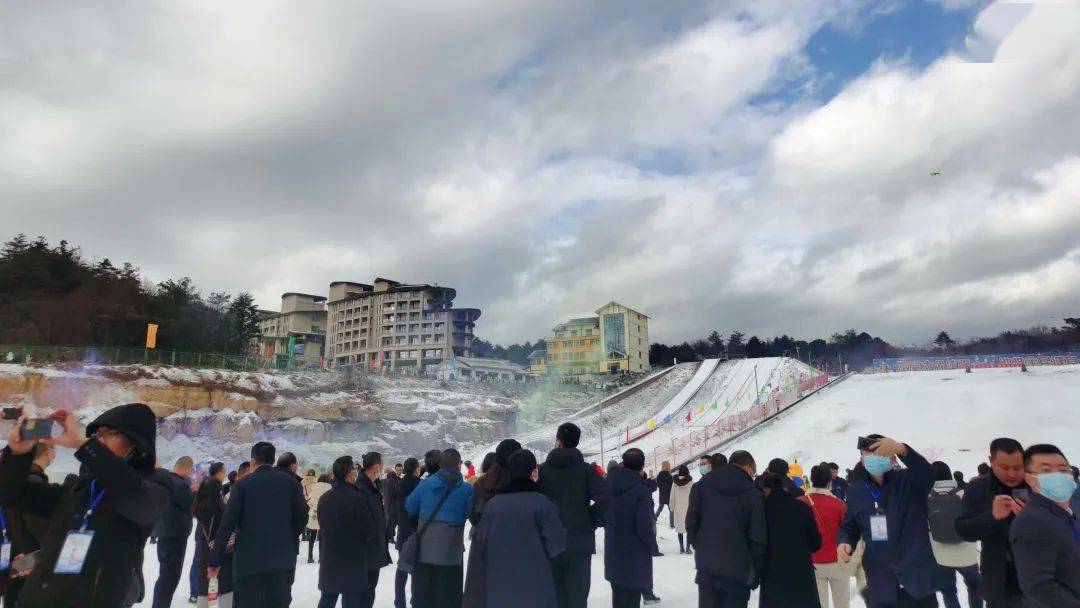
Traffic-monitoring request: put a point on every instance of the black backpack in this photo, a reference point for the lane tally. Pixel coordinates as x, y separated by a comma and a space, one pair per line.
944, 510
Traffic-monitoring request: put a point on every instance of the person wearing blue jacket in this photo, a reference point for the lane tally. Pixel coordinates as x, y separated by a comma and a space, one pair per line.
438, 580
887, 508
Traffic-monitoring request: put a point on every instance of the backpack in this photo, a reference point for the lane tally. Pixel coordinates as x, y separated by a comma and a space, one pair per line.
944, 510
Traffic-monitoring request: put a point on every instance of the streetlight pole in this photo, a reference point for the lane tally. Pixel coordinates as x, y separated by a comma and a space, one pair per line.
603, 462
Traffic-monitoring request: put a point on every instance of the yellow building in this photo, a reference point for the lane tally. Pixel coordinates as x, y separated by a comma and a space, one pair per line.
624, 339
573, 348
615, 341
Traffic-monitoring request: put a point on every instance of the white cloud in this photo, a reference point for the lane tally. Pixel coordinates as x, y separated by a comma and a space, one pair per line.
545, 159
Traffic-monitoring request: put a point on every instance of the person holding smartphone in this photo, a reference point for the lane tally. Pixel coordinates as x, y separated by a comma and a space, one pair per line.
887, 509
99, 521
991, 501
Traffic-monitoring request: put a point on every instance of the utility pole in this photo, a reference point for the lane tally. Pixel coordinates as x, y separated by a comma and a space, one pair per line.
603, 462
757, 389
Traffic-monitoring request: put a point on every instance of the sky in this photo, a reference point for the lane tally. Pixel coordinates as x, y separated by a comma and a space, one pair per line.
771, 166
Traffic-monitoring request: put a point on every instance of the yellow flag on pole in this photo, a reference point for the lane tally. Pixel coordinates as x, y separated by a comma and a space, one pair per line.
151, 335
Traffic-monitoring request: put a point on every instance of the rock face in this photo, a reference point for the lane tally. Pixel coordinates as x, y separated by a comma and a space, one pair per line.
218, 412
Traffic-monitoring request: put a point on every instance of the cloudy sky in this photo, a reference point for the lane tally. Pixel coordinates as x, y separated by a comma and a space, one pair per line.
773, 166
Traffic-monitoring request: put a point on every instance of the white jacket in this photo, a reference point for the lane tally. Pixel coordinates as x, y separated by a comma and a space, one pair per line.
955, 555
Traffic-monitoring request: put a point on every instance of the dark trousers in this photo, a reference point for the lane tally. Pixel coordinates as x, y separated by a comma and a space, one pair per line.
391, 527
312, 537
355, 599
621, 597
11, 593
401, 578
266, 590
437, 586
170, 552
716, 593
903, 600
1012, 601
945, 583
573, 577
193, 573
671, 514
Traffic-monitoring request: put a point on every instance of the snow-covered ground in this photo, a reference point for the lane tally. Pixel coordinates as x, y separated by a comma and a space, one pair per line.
947, 415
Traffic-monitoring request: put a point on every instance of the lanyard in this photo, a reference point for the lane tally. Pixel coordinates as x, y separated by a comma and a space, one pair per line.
95, 498
876, 495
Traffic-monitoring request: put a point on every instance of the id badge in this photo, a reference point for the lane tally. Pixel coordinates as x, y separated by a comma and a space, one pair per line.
879, 528
73, 554
5, 556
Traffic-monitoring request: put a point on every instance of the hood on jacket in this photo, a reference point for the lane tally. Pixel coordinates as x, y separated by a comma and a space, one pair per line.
682, 481
731, 480
564, 458
623, 480
138, 423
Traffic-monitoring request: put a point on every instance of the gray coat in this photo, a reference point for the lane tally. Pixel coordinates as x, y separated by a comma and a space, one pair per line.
1047, 554
510, 559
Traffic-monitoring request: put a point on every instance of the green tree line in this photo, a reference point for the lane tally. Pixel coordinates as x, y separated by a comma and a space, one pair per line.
52, 295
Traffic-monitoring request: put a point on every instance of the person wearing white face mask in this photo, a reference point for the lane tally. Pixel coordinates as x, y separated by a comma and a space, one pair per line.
1045, 536
887, 508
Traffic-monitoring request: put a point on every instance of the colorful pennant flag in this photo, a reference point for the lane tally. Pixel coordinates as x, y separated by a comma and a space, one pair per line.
651, 424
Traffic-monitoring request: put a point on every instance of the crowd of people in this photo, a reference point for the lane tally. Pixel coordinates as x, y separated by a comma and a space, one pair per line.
521, 533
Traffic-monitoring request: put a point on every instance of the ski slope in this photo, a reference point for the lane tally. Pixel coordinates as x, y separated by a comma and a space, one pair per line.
714, 396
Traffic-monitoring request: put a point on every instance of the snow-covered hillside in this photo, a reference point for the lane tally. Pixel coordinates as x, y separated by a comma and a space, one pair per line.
945, 415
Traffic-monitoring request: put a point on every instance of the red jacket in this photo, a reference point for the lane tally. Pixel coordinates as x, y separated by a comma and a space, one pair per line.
828, 513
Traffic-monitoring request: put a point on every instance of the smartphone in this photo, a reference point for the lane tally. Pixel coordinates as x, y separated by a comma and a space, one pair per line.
36, 428
12, 413
865, 444
1022, 494
25, 562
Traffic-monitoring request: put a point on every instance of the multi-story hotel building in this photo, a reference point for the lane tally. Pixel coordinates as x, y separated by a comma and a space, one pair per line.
295, 335
614, 341
396, 326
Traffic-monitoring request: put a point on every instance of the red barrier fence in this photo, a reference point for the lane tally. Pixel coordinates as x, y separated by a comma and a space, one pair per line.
691, 445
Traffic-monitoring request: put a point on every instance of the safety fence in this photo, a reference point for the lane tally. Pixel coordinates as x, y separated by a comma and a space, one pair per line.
689, 446
920, 364
111, 355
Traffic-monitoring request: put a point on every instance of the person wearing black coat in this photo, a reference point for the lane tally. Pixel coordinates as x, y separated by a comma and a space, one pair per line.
581, 496
988, 510
516, 541
629, 536
390, 488
348, 530
663, 483
266, 510
117, 456
378, 555
788, 580
1045, 536
26, 531
209, 509
725, 524
489, 482
174, 529
406, 524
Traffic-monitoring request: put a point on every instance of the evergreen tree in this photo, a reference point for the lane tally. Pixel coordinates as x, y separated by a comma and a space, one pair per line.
243, 323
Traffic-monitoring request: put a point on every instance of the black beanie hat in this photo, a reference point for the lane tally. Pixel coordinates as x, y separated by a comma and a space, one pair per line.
505, 449
521, 465
138, 423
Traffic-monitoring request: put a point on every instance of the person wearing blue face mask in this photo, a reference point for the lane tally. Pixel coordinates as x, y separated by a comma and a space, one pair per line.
704, 465
887, 508
1045, 535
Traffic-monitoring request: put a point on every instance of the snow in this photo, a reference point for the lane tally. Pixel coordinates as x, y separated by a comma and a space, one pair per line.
945, 415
